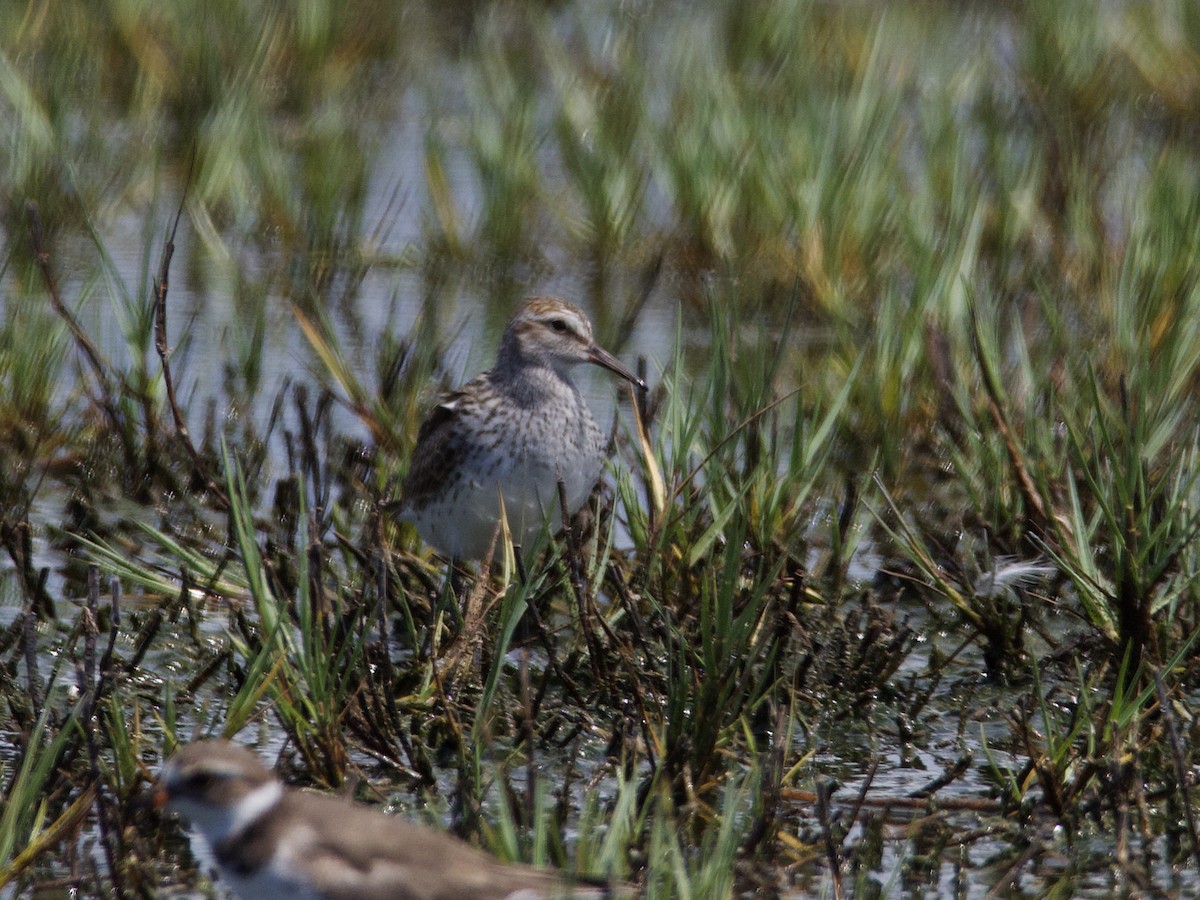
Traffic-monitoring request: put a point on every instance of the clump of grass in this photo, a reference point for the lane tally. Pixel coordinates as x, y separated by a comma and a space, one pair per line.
30, 825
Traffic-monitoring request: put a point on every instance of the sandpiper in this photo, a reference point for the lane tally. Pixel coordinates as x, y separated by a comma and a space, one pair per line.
513, 431
271, 841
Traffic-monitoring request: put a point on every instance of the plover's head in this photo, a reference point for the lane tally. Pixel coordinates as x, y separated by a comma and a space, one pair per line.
218, 786
553, 332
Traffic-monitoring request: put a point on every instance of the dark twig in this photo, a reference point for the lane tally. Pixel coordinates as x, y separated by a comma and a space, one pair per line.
100, 367
579, 587
1009, 879
833, 856
1039, 516
106, 661
381, 606
949, 776
161, 285
18, 542
565, 681
31, 659
764, 824
531, 771
41, 594
955, 804
1181, 766
150, 629
92, 688
87, 674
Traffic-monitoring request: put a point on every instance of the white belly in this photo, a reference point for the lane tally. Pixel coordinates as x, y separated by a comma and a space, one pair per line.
525, 469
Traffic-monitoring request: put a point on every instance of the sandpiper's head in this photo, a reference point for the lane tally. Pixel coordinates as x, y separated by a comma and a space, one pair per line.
551, 331
219, 786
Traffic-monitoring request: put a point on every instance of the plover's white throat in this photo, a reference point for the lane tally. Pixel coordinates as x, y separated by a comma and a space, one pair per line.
270, 841
513, 431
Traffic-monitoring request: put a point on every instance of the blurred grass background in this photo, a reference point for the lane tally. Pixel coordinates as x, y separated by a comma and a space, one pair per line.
874, 171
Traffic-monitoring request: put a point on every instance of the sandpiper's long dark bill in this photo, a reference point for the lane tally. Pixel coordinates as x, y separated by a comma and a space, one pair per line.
513, 431
270, 841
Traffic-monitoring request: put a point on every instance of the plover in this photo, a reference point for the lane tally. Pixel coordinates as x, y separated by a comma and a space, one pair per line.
271, 841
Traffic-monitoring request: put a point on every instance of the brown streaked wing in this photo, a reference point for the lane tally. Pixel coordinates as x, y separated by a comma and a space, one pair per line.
439, 449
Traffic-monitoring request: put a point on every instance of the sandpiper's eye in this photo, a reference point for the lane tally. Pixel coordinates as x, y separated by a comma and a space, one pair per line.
559, 326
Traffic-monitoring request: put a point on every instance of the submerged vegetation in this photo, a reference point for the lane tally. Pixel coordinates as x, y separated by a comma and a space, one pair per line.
894, 583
